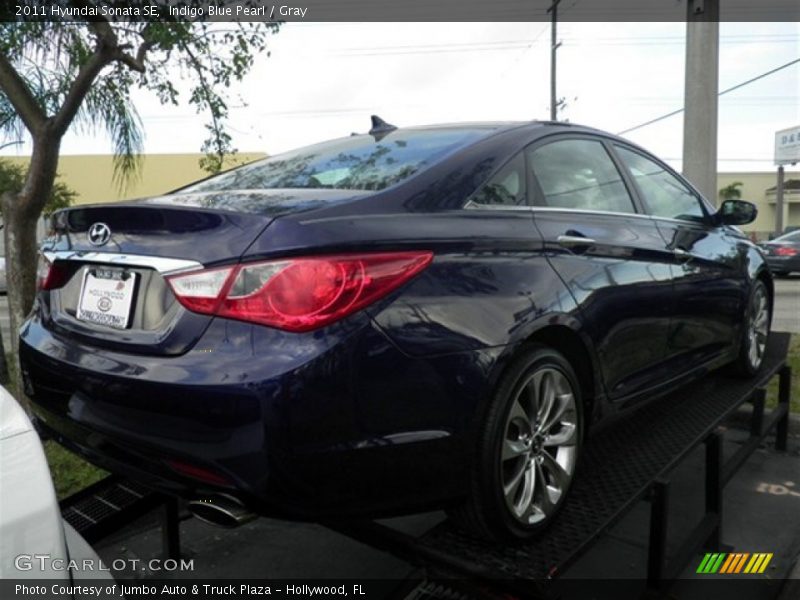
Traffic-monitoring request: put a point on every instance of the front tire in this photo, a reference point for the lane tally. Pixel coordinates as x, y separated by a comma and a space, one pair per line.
528, 449
757, 321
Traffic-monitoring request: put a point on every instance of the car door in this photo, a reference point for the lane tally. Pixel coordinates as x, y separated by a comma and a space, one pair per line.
611, 257
707, 269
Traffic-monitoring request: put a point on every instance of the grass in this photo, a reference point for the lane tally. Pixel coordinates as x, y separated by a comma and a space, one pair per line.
793, 360
70, 472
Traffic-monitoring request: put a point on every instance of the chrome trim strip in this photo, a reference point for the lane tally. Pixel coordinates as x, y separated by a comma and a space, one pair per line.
584, 211
165, 266
513, 207
474, 206
683, 221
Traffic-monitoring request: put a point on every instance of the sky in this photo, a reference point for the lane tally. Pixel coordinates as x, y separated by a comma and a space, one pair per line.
324, 80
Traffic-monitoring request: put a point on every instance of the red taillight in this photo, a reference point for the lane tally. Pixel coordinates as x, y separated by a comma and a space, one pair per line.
785, 251
50, 275
297, 294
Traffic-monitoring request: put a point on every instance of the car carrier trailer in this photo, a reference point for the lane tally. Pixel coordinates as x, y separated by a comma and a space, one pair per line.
627, 462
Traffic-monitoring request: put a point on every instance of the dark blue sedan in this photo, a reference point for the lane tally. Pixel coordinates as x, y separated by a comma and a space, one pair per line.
390, 322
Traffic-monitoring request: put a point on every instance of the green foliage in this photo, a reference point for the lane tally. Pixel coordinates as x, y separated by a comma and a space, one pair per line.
793, 360
195, 61
12, 178
732, 191
70, 472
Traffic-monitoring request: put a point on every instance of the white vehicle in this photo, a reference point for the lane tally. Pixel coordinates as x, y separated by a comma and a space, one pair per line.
35, 543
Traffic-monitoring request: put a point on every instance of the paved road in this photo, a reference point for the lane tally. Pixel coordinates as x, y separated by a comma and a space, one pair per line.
787, 308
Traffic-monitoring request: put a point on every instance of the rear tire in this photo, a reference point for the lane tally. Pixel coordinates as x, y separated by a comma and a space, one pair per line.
757, 321
528, 449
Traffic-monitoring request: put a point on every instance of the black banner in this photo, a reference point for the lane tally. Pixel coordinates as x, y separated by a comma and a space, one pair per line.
738, 586
399, 10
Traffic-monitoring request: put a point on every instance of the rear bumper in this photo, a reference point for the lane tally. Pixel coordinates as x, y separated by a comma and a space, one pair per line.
295, 425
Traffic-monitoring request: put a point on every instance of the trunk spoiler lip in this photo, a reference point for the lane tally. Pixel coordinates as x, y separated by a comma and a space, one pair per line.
164, 265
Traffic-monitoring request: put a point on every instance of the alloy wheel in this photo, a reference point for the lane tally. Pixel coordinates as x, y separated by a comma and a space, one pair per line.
758, 327
539, 446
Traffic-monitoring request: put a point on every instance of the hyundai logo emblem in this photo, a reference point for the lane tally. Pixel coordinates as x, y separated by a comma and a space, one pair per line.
99, 234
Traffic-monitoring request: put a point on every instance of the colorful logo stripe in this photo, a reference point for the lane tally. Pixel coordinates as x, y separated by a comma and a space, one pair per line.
734, 562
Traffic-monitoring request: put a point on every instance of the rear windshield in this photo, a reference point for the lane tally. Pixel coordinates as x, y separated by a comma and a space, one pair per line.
354, 163
792, 236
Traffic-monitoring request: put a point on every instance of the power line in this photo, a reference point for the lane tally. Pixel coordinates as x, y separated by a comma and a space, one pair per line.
511, 44
674, 40
723, 92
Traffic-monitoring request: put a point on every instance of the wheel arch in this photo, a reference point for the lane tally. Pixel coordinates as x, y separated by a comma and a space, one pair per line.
765, 276
575, 349
565, 336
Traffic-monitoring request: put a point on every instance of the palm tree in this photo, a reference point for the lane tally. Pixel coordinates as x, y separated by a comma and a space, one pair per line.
732, 191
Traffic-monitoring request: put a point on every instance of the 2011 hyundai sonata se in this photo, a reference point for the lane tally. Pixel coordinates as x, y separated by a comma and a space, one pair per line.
411, 318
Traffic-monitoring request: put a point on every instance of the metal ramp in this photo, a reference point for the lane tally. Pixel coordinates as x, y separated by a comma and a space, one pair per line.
621, 465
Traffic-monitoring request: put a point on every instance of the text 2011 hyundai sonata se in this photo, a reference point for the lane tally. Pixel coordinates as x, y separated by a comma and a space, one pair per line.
388, 322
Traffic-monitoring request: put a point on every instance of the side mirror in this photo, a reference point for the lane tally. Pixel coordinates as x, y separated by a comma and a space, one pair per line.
737, 212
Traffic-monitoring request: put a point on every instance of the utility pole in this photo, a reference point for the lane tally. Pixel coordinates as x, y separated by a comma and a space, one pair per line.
700, 96
779, 203
554, 44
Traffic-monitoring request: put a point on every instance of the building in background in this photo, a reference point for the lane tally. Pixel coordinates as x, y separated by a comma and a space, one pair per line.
92, 175
759, 188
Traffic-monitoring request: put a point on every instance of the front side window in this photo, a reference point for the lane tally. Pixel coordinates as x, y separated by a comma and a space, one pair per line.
579, 174
355, 163
505, 188
664, 194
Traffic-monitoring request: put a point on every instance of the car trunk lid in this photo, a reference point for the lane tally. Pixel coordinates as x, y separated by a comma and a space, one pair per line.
114, 260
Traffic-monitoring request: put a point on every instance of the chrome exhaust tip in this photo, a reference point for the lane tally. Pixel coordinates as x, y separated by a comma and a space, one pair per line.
221, 510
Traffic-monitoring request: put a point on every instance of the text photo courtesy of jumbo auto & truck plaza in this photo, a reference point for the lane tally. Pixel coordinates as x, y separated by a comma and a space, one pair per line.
405, 300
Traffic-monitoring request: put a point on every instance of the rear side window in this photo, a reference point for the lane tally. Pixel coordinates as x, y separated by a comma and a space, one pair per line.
505, 188
664, 194
355, 163
579, 174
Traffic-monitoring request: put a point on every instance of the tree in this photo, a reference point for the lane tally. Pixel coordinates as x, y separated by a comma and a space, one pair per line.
12, 178
731, 191
56, 75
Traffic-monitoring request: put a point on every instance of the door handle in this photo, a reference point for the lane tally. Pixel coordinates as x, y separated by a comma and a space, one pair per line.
683, 255
571, 241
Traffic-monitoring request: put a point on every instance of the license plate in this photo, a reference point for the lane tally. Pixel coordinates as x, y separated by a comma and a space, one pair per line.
106, 297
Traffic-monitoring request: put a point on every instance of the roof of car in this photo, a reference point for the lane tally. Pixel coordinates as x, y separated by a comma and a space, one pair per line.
501, 126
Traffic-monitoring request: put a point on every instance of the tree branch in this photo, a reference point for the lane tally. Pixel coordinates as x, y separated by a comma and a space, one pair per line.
136, 63
207, 94
20, 96
103, 55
